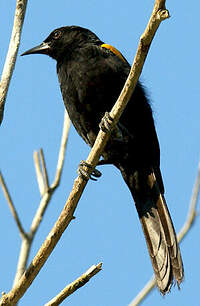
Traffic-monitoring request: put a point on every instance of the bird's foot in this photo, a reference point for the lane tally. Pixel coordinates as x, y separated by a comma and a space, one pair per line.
96, 173
105, 124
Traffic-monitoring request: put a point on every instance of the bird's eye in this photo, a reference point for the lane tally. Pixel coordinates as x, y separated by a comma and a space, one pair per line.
57, 34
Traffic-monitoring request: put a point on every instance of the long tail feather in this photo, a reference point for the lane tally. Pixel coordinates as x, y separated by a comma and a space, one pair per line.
158, 230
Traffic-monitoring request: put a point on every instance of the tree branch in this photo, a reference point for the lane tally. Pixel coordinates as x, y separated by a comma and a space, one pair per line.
78, 283
27, 238
67, 214
41, 171
12, 207
44, 170
38, 170
47, 195
12, 53
22, 260
192, 213
63, 147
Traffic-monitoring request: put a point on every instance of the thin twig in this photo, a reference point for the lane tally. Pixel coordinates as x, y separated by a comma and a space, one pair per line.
27, 241
38, 171
23, 258
78, 283
40, 213
192, 213
12, 53
48, 194
67, 214
63, 147
44, 170
12, 207
158, 15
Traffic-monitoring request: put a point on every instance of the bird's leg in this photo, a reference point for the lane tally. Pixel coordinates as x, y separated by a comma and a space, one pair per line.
119, 132
105, 126
106, 122
96, 173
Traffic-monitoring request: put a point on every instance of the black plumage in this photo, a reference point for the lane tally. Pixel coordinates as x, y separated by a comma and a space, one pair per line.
91, 76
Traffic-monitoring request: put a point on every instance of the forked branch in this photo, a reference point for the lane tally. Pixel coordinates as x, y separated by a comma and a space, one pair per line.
46, 192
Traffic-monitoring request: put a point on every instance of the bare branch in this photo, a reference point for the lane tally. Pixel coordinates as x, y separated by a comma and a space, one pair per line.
158, 15
144, 292
47, 195
67, 214
27, 240
23, 258
63, 147
78, 283
38, 171
41, 171
12, 53
159, 5
12, 207
192, 213
44, 170
40, 213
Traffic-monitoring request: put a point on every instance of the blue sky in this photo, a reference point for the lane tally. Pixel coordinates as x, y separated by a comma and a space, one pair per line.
106, 227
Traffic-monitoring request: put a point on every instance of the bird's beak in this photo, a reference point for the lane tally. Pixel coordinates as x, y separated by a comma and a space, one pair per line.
41, 49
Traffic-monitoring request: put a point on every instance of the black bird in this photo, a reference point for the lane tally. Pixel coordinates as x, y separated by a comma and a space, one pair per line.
91, 75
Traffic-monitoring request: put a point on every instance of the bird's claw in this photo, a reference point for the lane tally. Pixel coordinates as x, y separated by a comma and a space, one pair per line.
105, 124
96, 173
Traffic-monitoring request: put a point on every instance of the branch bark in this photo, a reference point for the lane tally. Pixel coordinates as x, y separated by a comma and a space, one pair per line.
38, 170
192, 213
12, 53
78, 283
159, 14
27, 238
44, 171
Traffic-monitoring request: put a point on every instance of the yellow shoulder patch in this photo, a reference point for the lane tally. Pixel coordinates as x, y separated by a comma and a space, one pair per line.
114, 50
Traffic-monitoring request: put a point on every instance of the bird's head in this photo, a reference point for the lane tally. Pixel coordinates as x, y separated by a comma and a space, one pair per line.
63, 41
